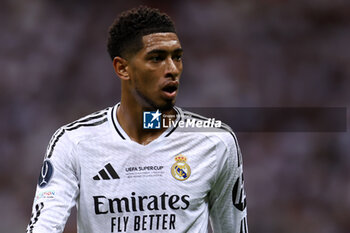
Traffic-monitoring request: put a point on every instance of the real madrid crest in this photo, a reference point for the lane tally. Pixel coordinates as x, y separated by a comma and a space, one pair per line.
180, 169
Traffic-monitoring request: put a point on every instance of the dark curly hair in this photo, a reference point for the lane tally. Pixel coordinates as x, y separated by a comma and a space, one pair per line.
125, 34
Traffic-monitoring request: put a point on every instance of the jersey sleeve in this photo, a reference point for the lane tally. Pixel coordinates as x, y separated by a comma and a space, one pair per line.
57, 187
227, 199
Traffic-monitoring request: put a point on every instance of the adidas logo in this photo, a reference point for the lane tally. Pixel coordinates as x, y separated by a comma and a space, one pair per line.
107, 173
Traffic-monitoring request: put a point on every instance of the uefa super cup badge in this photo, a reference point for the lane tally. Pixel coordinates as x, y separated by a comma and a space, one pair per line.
180, 169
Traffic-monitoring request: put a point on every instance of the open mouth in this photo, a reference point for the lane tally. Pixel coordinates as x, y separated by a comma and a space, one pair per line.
170, 88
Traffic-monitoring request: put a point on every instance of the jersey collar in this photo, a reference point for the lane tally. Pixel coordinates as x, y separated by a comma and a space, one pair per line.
120, 131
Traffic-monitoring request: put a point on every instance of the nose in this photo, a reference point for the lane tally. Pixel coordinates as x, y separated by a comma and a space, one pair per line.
173, 68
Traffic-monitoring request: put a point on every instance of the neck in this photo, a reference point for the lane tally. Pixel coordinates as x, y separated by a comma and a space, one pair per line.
131, 120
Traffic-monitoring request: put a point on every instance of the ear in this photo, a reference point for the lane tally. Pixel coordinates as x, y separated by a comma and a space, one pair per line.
121, 67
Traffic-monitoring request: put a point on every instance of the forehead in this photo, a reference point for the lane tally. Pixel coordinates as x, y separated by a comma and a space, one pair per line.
163, 41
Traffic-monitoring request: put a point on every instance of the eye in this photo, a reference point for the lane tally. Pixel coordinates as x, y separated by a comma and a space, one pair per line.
177, 57
156, 58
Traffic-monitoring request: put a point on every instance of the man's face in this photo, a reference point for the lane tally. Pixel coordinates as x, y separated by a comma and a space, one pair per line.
155, 71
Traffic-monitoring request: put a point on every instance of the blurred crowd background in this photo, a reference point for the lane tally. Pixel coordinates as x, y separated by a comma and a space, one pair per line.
238, 53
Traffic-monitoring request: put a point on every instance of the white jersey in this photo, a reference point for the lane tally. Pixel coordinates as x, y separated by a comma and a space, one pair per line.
173, 184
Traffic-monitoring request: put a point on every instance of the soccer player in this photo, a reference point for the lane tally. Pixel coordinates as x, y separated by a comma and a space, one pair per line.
125, 178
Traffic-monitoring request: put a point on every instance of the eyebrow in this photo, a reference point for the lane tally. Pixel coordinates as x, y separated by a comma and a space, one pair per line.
179, 50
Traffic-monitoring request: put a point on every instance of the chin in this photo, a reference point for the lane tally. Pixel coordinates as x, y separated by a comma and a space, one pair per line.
165, 106
162, 104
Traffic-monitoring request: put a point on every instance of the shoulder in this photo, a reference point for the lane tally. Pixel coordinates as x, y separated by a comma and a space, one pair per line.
219, 133
212, 128
92, 125
88, 125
